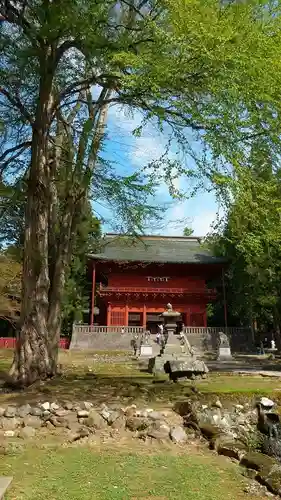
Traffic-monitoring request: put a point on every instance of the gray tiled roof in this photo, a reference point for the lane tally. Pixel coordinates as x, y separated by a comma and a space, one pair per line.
156, 249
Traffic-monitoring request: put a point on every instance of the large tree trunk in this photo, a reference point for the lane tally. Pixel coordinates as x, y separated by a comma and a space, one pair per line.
32, 356
59, 267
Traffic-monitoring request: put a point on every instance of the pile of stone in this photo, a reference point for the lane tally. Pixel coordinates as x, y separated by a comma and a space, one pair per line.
82, 419
232, 432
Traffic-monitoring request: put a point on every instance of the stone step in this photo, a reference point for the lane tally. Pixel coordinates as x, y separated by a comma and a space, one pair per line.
4, 485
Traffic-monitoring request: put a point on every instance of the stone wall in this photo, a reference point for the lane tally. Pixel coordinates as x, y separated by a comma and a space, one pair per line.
203, 339
100, 341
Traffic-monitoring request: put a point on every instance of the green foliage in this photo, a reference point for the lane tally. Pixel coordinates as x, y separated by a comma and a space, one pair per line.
188, 231
10, 285
251, 239
78, 285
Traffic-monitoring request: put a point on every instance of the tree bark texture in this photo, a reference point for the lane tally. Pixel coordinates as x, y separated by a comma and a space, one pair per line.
32, 360
53, 212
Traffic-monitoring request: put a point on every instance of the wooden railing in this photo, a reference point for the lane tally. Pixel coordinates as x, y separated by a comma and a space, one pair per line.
211, 330
87, 329
140, 289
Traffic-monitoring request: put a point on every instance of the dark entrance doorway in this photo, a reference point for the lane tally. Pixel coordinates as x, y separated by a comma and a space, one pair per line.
152, 322
135, 319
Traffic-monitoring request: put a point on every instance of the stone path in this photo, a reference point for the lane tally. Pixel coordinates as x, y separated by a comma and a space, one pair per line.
4, 485
242, 368
262, 373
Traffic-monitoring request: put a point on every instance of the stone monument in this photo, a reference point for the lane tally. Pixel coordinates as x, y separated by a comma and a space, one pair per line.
177, 358
145, 345
224, 352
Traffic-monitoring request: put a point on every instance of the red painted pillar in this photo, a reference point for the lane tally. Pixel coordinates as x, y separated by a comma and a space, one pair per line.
126, 315
205, 317
188, 317
108, 319
144, 316
93, 293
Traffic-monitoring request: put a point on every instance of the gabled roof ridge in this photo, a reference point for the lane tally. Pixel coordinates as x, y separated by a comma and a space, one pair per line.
154, 237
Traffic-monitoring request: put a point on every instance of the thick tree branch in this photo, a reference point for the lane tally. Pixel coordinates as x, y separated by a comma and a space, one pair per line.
16, 102
18, 150
22, 145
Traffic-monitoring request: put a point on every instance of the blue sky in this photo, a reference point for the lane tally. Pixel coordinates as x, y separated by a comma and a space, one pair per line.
131, 153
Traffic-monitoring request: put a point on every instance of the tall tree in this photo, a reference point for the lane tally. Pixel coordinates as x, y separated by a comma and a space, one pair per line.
180, 62
250, 237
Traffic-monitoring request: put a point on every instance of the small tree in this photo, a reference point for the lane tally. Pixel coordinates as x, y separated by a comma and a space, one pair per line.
188, 231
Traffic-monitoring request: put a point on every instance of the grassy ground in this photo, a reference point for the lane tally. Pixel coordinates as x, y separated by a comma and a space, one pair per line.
114, 377
133, 471
80, 473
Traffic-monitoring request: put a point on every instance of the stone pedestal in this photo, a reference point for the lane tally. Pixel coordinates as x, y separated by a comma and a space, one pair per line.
224, 354
172, 360
146, 350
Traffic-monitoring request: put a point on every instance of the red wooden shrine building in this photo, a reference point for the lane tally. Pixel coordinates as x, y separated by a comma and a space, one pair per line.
134, 279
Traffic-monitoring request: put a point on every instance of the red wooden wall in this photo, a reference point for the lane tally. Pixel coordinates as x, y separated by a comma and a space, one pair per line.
134, 276
9, 342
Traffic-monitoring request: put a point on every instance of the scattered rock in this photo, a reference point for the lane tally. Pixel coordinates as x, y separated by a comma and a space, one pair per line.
54, 407
10, 423
257, 461
32, 421
82, 433
27, 432
178, 435
68, 405
105, 413
271, 479
266, 402
46, 406
36, 412
82, 413
210, 431
24, 410
58, 421
239, 407
114, 415
154, 415
159, 430
74, 427
129, 410
250, 473
217, 404
61, 413
2, 411
119, 423
232, 449
137, 423
86, 405
9, 433
49, 426
95, 420
10, 412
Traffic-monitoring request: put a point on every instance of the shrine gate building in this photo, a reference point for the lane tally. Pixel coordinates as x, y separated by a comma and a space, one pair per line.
134, 279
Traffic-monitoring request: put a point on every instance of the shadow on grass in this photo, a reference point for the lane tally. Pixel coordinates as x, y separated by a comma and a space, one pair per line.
125, 390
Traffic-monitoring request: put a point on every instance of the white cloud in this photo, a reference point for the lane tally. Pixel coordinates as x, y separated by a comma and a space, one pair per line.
199, 213
140, 151
185, 214
202, 224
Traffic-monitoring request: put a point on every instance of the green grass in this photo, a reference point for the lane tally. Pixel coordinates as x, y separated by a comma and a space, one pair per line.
79, 473
118, 473
106, 377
